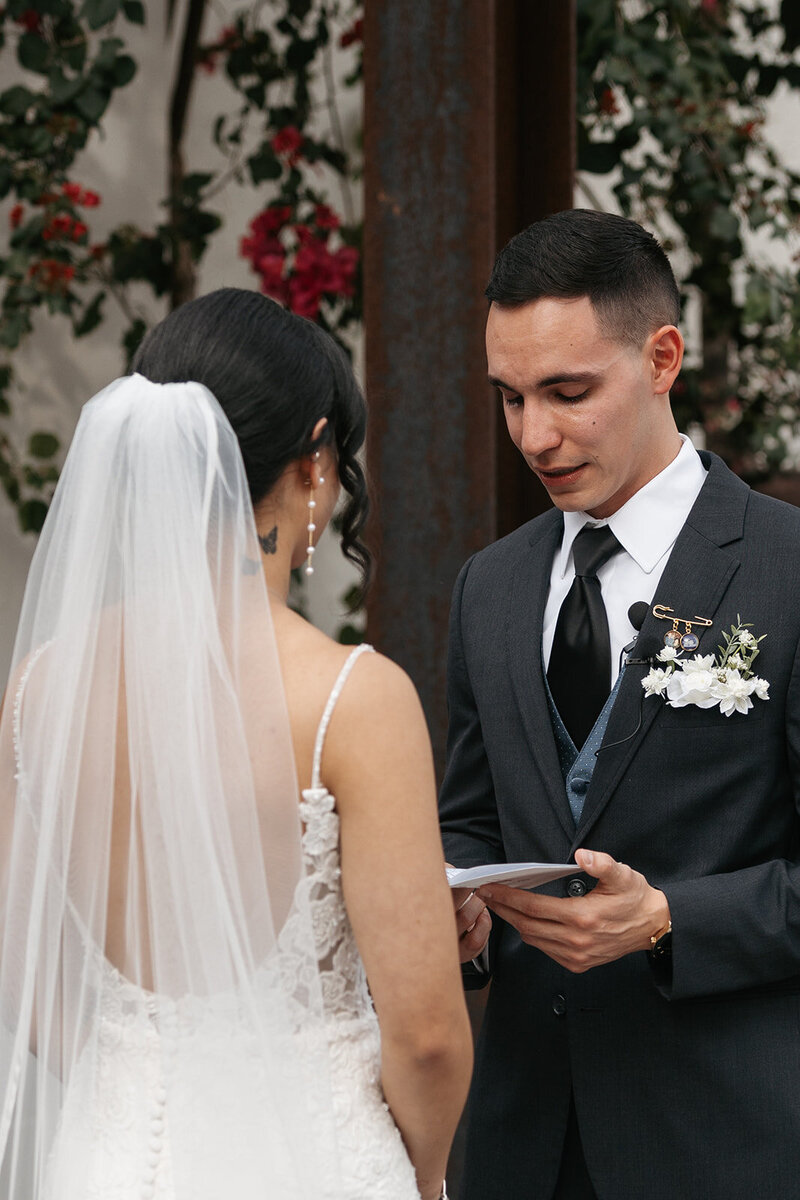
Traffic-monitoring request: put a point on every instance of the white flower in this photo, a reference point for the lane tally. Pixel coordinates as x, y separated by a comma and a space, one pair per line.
734, 694
655, 681
700, 662
705, 682
691, 687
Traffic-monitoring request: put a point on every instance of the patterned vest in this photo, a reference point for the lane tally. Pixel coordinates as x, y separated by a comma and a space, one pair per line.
577, 766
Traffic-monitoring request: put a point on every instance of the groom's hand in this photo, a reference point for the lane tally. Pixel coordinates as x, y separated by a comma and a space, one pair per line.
473, 923
616, 918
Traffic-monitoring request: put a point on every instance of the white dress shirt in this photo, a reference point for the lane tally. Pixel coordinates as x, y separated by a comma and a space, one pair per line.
646, 528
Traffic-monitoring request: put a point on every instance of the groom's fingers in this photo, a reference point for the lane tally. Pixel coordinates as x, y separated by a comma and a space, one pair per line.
473, 940
468, 908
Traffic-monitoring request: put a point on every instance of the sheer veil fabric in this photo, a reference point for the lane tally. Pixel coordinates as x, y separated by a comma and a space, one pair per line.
158, 976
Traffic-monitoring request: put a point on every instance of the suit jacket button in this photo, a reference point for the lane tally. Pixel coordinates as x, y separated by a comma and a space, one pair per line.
576, 887
560, 1005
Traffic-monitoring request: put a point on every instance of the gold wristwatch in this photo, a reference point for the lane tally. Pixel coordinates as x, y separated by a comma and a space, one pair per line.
661, 942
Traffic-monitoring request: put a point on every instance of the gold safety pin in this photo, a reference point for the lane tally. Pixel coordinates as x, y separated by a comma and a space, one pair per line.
673, 637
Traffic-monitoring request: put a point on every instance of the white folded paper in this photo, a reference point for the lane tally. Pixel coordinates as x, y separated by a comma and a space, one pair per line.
521, 875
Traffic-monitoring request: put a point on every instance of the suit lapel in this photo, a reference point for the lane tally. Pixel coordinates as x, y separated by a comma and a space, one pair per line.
524, 649
694, 581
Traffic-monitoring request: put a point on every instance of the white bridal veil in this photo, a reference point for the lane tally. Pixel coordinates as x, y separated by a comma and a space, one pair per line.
161, 1028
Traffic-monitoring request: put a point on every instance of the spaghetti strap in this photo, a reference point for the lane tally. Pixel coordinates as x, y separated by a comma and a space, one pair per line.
336, 692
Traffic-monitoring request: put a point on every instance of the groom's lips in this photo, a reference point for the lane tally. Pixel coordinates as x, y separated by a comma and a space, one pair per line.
556, 477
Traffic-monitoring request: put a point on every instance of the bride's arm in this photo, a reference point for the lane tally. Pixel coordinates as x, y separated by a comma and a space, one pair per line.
377, 762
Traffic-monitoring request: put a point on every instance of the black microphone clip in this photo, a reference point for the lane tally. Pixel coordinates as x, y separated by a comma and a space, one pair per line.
636, 615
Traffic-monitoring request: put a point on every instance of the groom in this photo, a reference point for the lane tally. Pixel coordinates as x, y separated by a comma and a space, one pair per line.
642, 1031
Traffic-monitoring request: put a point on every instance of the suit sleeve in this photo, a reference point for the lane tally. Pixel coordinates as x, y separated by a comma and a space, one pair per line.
741, 930
467, 809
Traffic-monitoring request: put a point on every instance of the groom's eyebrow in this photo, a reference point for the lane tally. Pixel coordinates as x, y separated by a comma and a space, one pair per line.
498, 383
549, 380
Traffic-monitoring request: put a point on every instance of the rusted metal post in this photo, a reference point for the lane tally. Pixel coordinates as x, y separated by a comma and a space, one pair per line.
429, 243
468, 136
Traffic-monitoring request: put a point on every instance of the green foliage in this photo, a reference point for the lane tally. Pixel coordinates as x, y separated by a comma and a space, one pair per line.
671, 97
275, 55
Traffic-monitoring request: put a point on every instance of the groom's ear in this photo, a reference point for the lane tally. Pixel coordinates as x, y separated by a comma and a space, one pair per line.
666, 355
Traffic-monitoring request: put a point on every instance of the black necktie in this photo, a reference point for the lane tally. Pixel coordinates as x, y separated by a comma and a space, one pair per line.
579, 673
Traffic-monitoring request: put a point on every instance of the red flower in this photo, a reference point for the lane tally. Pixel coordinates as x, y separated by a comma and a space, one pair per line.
46, 198
317, 270
52, 274
287, 143
304, 297
62, 226
325, 217
79, 195
273, 283
207, 60
271, 220
98, 251
258, 245
354, 34
30, 20
710, 6
229, 38
15, 216
608, 102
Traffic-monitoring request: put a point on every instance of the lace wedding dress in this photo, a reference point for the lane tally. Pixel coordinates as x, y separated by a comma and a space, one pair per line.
170, 1073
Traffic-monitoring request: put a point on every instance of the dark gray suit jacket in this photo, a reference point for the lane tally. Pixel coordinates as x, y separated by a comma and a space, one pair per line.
687, 1085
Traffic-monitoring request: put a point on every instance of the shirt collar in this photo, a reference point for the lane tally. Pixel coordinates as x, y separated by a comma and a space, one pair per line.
647, 526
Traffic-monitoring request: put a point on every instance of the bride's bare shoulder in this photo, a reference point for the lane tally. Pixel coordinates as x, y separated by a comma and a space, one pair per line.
310, 655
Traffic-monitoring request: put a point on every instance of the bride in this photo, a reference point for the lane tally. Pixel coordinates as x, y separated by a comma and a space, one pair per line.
228, 967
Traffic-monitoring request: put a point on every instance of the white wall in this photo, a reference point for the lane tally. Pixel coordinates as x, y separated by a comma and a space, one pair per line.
127, 167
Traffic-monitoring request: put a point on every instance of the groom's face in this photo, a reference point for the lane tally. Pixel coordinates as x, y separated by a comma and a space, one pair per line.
579, 406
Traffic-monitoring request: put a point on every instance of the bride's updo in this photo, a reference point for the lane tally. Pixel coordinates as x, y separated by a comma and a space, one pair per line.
275, 375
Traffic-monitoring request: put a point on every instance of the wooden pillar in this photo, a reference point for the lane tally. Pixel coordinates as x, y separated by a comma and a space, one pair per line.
469, 114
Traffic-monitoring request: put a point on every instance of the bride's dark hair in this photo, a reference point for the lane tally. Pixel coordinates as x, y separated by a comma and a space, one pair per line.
275, 375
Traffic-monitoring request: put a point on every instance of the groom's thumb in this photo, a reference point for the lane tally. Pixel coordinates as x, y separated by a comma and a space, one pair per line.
600, 866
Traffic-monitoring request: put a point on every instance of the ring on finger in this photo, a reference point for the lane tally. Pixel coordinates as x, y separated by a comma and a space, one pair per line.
464, 902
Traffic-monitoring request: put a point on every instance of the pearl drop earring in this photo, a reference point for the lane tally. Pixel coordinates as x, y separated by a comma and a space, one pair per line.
311, 527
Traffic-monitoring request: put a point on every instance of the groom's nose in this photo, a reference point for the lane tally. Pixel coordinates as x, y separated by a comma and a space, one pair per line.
540, 433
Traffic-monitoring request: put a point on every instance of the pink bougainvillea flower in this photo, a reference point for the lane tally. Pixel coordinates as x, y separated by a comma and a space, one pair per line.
30, 20
52, 274
271, 220
325, 217
354, 34
287, 143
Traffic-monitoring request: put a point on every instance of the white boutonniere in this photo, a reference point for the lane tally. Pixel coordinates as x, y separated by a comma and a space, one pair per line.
706, 680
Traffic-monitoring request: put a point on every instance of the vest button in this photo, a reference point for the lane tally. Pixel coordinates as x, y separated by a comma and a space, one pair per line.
560, 1005
576, 887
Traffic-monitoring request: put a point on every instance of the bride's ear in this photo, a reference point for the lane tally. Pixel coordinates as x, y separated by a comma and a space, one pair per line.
310, 464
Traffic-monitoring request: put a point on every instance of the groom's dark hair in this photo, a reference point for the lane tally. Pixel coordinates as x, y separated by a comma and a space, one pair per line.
580, 252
